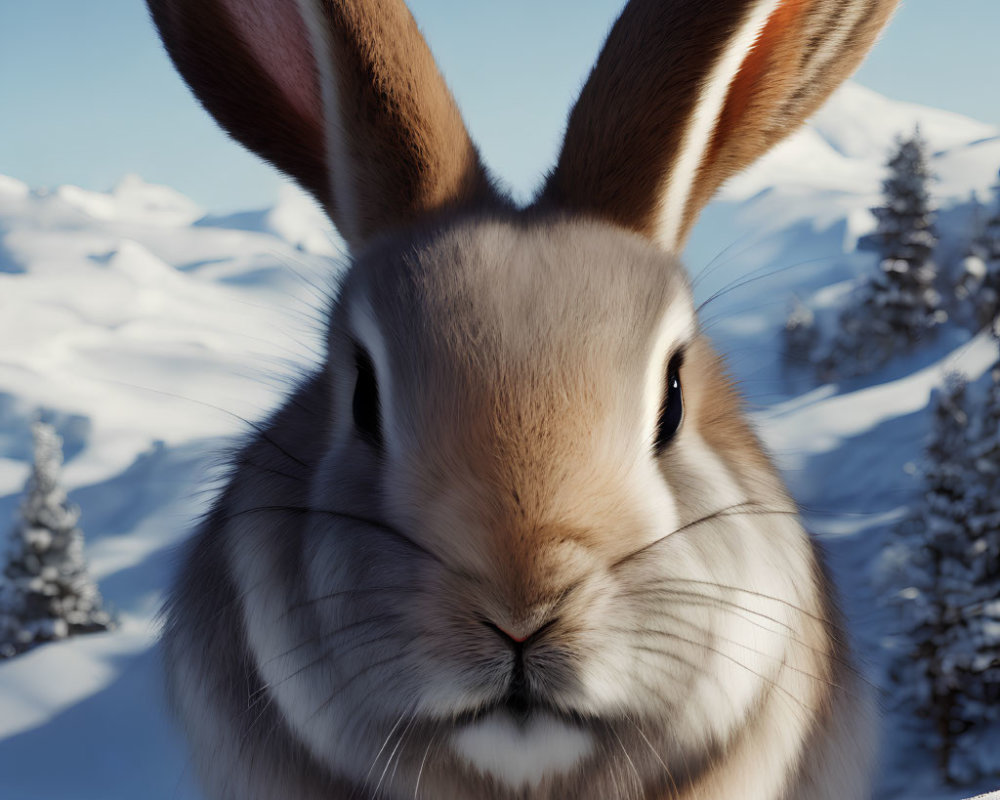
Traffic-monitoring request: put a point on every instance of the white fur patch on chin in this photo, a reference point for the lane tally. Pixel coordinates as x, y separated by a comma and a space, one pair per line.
522, 754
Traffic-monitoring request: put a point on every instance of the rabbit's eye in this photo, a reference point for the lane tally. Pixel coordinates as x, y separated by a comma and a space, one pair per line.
366, 404
672, 408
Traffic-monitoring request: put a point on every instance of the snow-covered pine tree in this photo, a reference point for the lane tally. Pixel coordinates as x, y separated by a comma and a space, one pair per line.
47, 592
947, 557
800, 335
933, 577
898, 306
904, 289
974, 657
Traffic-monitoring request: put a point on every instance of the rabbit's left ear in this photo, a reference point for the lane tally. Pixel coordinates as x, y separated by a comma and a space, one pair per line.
687, 93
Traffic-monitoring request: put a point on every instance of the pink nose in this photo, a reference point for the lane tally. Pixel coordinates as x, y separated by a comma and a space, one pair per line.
516, 638
511, 636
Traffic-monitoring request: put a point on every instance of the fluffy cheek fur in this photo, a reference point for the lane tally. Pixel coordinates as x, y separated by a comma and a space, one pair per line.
328, 635
372, 650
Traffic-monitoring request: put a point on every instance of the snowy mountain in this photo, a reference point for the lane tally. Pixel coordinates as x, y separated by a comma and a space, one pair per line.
146, 331
823, 179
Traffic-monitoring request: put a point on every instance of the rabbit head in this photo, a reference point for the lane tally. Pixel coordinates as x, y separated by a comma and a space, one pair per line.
515, 538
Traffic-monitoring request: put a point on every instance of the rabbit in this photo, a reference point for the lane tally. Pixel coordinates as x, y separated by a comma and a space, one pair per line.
515, 538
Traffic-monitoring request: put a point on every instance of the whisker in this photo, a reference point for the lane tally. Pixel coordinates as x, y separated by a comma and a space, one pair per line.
378, 755
717, 261
323, 656
737, 643
709, 599
635, 772
290, 509
343, 593
789, 632
754, 593
754, 277
363, 671
649, 744
323, 293
735, 661
748, 507
257, 427
423, 763
238, 598
239, 463
392, 756
655, 689
388, 615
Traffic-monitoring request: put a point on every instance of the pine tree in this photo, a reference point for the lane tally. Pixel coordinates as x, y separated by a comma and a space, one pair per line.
904, 289
898, 306
933, 574
948, 561
47, 592
975, 656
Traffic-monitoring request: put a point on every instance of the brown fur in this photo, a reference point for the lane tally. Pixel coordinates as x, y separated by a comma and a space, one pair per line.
202, 39
807, 50
625, 129
407, 148
412, 154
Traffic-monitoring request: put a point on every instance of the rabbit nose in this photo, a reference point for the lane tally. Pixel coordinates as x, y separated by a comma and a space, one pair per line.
503, 632
517, 636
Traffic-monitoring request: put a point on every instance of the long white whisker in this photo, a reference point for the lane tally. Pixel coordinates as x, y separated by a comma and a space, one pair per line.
392, 755
423, 763
388, 736
638, 778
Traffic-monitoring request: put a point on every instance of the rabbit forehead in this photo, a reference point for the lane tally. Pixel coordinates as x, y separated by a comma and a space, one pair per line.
499, 323
485, 298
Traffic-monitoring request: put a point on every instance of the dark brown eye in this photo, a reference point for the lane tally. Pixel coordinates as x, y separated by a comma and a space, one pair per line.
365, 405
672, 407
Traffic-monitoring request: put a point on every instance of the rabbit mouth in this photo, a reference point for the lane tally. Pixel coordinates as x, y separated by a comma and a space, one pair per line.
521, 702
521, 709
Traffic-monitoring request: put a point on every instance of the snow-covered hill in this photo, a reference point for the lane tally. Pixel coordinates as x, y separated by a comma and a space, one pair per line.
146, 330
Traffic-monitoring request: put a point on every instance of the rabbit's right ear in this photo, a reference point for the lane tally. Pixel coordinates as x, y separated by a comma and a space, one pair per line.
686, 93
342, 95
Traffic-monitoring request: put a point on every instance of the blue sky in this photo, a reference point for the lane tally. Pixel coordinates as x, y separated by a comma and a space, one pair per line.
86, 93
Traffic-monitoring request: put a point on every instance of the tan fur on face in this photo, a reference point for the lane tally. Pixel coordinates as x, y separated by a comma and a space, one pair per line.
541, 338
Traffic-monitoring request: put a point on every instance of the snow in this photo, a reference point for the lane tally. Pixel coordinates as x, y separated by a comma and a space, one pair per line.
883, 119
148, 330
133, 200
146, 335
820, 423
846, 143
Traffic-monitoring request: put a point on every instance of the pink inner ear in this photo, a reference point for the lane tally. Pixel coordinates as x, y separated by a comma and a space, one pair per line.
277, 38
